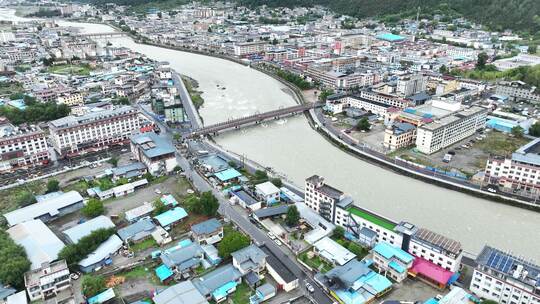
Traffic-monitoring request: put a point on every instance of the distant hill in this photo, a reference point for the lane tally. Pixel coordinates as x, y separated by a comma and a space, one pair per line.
519, 15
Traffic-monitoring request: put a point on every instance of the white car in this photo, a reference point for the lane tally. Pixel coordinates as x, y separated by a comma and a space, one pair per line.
310, 287
271, 236
278, 242
157, 191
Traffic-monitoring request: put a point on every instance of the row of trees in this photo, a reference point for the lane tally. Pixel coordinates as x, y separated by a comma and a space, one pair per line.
14, 262
34, 111
293, 78
73, 253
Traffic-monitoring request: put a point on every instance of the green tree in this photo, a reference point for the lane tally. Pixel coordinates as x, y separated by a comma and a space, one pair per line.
14, 262
53, 185
92, 285
293, 216
113, 161
93, 208
177, 136
339, 232
260, 177
481, 61
363, 124
159, 207
532, 49
443, 69
231, 242
324, 94
534, 130
25, 198
277, 182
488, 302
73, 253
209, 204
518, 131
357, 249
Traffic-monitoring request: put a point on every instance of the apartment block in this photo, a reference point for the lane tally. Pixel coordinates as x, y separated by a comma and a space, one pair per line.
73, 134
250, 48
323, 198
520, 171
46, 282
411, 84
517, 90
388, 99
437, 249
450, 129
21, 146
399, 135
505, 278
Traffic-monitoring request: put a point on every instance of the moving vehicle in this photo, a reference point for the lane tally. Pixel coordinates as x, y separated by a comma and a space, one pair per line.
310, 287
271, 236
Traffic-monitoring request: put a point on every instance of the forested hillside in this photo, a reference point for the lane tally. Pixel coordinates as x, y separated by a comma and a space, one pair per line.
521, 15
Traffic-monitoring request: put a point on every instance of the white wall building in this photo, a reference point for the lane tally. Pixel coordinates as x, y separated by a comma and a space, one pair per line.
321, 197
72, 134
450, 129
437, 249
158, 154
22, 146
505, 278
47, 281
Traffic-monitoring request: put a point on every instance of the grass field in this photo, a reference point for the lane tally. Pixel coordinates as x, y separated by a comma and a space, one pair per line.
67, 69
499, 143
8, 197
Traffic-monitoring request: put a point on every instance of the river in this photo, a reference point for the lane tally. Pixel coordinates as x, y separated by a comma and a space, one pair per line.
293, 148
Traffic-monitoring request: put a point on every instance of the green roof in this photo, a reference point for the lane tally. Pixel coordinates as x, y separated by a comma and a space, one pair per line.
375, 219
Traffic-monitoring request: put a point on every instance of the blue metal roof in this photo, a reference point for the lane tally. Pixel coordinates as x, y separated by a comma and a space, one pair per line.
228, 174
171, 216
163, 272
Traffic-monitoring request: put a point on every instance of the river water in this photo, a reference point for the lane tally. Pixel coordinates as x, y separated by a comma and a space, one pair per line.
292, 148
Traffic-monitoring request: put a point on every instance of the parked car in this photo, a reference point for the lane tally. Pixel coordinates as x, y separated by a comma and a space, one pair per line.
157, 191
310, 287
271, 236
278, 242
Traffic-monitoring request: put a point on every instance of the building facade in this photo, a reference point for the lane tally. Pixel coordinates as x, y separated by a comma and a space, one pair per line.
99, 129
505, 278
22, 146
321, 197
437, 249
47, 281
450, 129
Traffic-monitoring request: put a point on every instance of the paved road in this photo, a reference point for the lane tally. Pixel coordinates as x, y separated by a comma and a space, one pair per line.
190, 109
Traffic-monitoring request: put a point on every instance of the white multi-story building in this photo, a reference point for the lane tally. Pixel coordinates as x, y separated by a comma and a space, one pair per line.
158, 154
411, 84
505, 278
322, 198
361, 222
45, 282
521, 171
399, 135
517, 90
97, 129
391, 100
250, 48
450, 129
437, 249
336, 104
21, 146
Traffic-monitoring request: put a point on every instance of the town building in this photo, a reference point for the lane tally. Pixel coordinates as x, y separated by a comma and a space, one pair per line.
391, 100
73, 134
517, 91
219, 283
183, 257
250, 259
102, 255
268, 193
250, 48
411, 84
47, 281
448, 130
393, 261
322, 198
207, 232
399, 135
47, 210
505, 278
77, 232
285, 278
22, 146
343, 283
437, 249
171, 217
137, 213
39, 242
363, 224
138, 231
332, 252
520, 171
181, 293
158, 154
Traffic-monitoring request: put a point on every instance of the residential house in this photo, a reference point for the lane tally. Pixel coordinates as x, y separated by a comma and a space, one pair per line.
171, 217
138, 231
393, 261
181, 293
207, 232
332, 252
137, 213
279, 271
245, 200
158, 154
183, 258
251, 262
129, 171
268, 193
219, 283
48, 280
